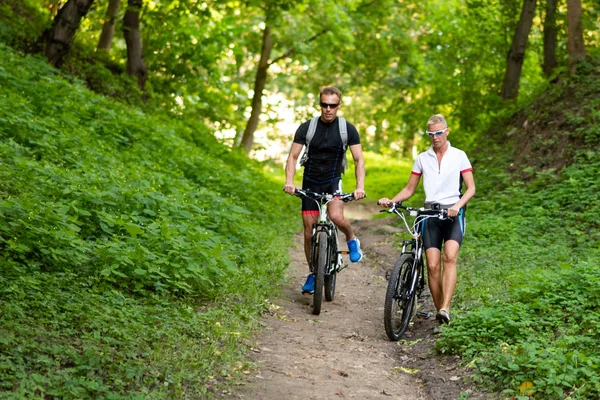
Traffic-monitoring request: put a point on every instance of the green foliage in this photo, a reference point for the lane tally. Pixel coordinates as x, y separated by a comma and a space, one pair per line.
527, 294
22, 22
135, 251
398, 62
142, 223
65, 337
385, 177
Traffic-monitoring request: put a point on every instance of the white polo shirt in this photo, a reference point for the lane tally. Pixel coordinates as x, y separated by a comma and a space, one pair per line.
442, 182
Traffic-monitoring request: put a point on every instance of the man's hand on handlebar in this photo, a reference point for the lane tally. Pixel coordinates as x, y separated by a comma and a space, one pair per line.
289, 189
359, 194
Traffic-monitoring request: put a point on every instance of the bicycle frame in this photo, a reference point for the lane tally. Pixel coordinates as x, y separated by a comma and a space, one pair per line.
416, 243
324, 224
407, 277
325, 256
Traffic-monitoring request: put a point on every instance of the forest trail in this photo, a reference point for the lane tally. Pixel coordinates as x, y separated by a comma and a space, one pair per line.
344, 352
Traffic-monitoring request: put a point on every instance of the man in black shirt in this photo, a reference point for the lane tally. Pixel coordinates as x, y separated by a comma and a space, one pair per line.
323, 172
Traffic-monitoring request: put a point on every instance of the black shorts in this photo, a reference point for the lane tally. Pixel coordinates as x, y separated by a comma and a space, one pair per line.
436, 231
311, 207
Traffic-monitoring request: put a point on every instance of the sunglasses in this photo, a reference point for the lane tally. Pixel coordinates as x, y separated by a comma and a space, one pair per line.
332, 106
436, 133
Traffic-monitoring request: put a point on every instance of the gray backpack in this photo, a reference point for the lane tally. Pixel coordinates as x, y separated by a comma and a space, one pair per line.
312, 127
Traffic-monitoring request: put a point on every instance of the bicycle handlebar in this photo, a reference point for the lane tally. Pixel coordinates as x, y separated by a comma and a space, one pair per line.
441, 213
345, 197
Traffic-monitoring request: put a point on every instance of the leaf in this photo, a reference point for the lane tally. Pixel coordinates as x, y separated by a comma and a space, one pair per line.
409, 371
526, 388
118, 273
133, 229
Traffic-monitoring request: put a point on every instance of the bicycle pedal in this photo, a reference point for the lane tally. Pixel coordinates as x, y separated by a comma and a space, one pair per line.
344, 252
423, 314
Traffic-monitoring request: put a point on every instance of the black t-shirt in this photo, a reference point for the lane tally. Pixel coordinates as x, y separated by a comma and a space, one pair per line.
326, 150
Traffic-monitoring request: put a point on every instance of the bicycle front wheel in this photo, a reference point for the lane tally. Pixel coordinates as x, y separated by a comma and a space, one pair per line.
323, 246
399, 297
331, 275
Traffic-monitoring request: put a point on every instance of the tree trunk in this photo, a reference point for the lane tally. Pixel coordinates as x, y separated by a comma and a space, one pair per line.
57, 40
516, 55
575, 44
133, 39
550, 33
259, 86
108, 29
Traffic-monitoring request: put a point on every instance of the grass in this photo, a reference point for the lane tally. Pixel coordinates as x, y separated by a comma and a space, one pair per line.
63, 337
527, 300
136, 253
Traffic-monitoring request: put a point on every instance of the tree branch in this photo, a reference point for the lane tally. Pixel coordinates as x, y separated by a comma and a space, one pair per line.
291, 51
366, 5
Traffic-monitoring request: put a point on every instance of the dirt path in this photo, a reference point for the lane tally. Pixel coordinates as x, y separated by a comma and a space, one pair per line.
344, 352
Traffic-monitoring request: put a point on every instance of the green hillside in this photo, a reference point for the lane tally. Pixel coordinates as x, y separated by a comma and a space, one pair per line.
529, 283
136, 251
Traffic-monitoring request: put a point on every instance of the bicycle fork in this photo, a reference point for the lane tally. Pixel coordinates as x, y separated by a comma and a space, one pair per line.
417, 279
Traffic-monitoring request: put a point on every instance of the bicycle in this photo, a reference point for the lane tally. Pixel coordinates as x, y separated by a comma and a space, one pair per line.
407, 279
325, 257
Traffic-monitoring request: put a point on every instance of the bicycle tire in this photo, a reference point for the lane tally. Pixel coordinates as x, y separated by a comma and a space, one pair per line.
332, 267
398, 312
331, 277
323, 246
330, 286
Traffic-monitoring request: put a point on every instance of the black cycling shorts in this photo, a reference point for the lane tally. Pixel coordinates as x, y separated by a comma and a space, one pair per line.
310, 206
436, 231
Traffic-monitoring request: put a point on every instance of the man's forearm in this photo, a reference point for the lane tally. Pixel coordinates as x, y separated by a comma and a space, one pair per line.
359, 172
290, 171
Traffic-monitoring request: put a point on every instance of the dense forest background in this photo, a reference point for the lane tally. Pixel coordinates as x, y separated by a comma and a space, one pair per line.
243, 67
140, 185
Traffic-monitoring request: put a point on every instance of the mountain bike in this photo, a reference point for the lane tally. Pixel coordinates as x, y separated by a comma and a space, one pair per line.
325, 254
407, 278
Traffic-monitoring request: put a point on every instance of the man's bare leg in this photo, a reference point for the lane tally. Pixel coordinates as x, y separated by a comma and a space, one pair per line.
336, 213
309, 220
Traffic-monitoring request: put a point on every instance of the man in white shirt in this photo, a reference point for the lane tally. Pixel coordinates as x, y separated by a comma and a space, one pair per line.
444, 169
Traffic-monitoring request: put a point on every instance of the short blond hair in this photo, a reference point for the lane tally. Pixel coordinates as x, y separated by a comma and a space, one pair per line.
330, 90
437, 119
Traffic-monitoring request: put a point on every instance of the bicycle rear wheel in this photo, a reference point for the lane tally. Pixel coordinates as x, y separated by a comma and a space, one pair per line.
330, 286
323, 246
399, 297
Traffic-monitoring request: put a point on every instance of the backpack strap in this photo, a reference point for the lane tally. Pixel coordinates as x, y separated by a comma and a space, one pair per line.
343, 131
312, 128
344, 135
